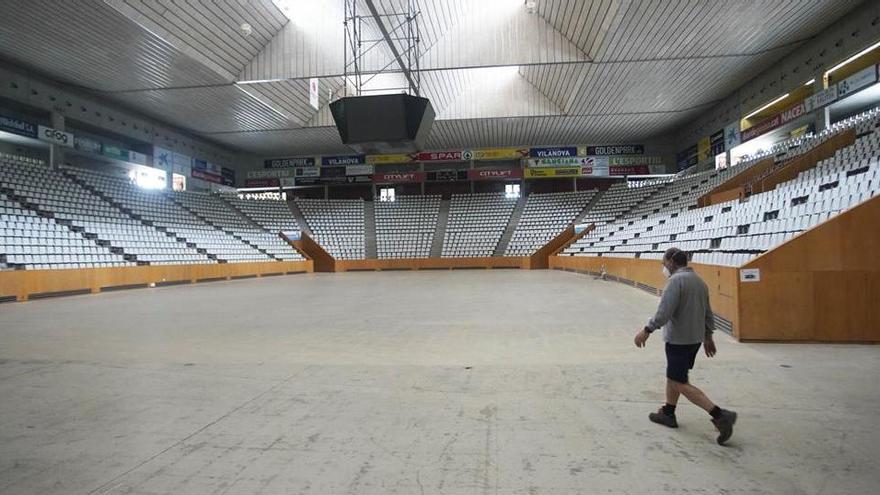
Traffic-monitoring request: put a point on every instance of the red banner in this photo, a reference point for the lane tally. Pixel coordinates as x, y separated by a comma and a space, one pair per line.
399, 177
494, 174
261, 183
629, 170
437, 156
773, 122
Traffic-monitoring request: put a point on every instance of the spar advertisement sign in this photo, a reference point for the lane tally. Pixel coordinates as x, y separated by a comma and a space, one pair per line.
493, 174
438, 156
398, 177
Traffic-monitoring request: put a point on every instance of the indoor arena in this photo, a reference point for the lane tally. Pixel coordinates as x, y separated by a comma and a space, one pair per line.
439, 247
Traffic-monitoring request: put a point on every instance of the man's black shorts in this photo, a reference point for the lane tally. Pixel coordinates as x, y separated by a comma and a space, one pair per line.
680, 359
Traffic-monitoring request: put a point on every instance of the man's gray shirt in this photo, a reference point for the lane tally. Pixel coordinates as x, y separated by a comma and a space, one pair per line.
684, 310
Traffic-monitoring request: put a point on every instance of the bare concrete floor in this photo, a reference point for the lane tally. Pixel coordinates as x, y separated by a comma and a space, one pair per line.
501, 382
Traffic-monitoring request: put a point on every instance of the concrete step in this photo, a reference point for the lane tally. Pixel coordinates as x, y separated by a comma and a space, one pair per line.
440, 231
511, 227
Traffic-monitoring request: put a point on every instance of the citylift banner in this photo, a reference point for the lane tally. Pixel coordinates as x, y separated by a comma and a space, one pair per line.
398, 177
495, 174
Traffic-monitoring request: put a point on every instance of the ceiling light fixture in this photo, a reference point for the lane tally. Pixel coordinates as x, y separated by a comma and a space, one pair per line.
857, 55
777, 100
810, 82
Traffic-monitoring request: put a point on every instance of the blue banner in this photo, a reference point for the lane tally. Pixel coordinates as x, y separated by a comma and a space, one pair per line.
17, 126
329, 161
553, 152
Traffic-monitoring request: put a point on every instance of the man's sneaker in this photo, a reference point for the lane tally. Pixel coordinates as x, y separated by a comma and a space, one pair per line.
661, 418
724, 423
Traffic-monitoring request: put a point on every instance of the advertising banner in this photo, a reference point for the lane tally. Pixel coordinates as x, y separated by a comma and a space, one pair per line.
703, 149
490, 174
548, 172
495, 154
287, 181
182, 164
54, 136
634, 160
359, 170
555, 152
314, 101
304, 161
687, 158
446, 175
271, 173
114, 152
761, 128
261, 183
162, 158
206, 176
438, 156
17, 126
329, 161
307, 172
559, 162
629, 170
716, 143
820, 99
857, 81
597, 165
398, 177
228, 176
139, 158
87, 145
731, 135
333, 175
621, 149
383, 159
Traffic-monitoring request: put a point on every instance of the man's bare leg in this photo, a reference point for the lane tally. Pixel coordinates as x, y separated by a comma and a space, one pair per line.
693, 394
672, 392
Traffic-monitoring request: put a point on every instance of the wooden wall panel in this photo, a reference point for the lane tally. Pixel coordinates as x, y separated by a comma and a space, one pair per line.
323, 261
539, 260
432, 263
721, 280
25, 283
821, 285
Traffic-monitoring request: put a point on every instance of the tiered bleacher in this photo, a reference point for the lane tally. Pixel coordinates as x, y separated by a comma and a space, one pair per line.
544, 217
476, 223
158, 211
32, 239
337, 225
405, 227
214, 211
272, 214
734, 232
617, 200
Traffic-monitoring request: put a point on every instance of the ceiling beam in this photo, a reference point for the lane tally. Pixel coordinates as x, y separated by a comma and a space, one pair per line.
391, 45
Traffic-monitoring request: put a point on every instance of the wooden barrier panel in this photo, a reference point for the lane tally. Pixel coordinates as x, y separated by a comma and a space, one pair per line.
432, 263
823, 285
729, 195
647, 274
324, 262
23, 284
540, 259
736, 182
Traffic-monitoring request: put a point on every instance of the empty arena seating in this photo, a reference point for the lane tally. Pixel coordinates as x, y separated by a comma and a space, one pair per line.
617, 200
405, 227
544, 217
732, 233
476, 223
271, 214
216, 212
160, 212
337, 225
32, 240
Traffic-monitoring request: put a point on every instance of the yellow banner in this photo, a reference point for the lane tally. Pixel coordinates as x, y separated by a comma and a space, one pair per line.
534, 173
500, 154
703, 146
385, 159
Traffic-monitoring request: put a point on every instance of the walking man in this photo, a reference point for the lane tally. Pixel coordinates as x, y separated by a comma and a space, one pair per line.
688, 323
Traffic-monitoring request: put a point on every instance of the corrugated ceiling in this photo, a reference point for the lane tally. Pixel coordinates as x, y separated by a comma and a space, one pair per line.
574, 72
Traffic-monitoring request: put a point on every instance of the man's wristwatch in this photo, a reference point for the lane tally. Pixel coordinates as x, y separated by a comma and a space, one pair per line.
648, 330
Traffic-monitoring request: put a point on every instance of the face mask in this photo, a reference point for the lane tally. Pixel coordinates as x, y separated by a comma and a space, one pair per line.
666, 272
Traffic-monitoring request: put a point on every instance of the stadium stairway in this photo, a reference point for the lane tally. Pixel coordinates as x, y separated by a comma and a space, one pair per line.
501, 248
590, 205
300, 218
370, 230
440, 232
